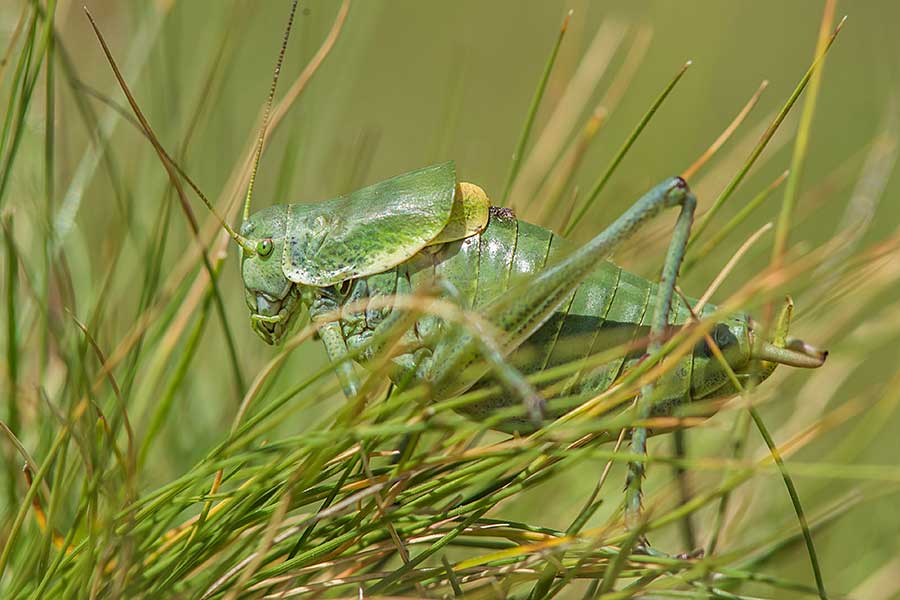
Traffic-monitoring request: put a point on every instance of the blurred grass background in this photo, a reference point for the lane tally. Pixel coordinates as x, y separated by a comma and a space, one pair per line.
411, 83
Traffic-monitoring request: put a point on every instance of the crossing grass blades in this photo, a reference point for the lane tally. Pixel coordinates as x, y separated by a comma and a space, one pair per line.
430, 301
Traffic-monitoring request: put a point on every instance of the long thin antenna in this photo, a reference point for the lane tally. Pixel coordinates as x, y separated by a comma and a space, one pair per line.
167, 161
265, 122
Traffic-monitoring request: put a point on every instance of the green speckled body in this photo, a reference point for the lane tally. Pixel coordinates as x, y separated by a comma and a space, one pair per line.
553, 302
611, 308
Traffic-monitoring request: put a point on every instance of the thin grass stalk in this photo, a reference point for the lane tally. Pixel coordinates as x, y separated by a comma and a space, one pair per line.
80, 92
801, 144
13, 39
519, 152
167, 164
733, 223
559, 180
18, 106
12, 348
161, 412
686, 525
623, 150
795, 501
49, 177
24, 506
142, 44
550, 145
704, 221
779, 461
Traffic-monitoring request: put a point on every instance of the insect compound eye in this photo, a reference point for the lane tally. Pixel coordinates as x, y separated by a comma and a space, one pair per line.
723, 336
264, 247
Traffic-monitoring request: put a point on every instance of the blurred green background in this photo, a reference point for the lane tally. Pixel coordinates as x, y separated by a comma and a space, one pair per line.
411, 83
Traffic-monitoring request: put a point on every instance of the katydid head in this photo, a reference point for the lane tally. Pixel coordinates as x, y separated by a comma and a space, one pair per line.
274, 301
298, 251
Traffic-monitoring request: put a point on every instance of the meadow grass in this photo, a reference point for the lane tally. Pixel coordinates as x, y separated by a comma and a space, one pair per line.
153, 449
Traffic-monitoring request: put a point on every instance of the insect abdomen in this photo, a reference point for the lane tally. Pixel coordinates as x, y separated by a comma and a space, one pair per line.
610, 309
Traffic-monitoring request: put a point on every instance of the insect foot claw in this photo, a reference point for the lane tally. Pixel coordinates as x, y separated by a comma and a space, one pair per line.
537, 408
644, 547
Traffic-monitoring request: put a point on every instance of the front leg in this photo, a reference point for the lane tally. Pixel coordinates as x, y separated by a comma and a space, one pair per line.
335, 345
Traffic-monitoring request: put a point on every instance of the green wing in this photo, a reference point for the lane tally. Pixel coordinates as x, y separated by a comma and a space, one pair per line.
370, 230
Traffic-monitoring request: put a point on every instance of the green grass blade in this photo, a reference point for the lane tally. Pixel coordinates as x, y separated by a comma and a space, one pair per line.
801, 144
732, 224
795, 501
623, 150
12, 348
49, 175
519, 152
25, 504
704, 221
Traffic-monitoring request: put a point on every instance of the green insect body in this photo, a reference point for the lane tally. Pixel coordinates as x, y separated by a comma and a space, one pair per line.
541, 301
423, 228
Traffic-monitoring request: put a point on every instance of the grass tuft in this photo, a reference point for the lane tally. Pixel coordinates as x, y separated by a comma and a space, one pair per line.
139, 462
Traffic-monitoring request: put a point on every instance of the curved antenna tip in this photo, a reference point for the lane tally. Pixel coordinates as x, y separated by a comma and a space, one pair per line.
265, 122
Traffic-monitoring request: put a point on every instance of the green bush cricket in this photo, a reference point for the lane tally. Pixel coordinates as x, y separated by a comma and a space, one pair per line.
550, 301
397, 236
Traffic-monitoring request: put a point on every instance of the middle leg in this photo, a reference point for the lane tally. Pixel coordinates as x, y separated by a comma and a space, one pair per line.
524, 308
658, 325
